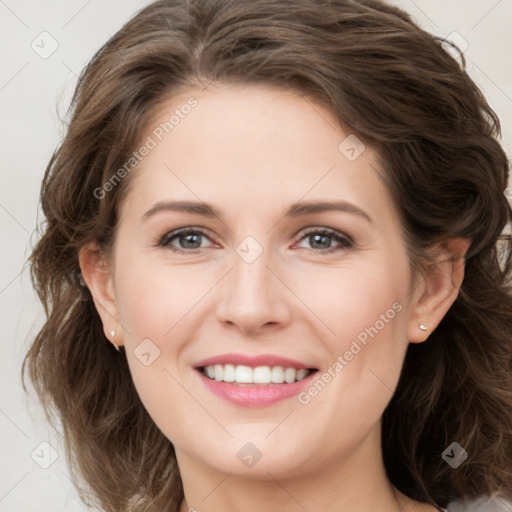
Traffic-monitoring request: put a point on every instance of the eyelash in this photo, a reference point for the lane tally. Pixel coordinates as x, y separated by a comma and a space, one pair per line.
345, 241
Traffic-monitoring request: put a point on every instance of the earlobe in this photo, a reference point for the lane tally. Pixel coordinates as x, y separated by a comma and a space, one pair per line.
98, 278
439, 289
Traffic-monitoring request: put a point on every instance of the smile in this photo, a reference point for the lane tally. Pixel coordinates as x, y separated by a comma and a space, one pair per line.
255, 394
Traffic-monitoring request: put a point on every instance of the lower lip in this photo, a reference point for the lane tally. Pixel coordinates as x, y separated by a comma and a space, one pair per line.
254, 395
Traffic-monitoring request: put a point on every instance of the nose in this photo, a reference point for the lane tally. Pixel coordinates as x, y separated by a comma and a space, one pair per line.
254, 299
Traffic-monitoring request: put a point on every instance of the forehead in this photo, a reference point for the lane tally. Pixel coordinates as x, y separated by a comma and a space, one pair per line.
251, 147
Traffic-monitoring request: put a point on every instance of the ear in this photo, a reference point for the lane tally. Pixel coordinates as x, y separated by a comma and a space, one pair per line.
99, 279
437, 291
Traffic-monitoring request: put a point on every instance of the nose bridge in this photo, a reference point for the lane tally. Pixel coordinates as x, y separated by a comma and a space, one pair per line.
250, 277
253, 296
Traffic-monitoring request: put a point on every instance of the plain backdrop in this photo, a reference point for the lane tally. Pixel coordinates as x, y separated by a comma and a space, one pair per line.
35, 89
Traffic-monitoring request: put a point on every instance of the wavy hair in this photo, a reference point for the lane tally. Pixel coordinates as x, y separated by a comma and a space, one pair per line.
403, 94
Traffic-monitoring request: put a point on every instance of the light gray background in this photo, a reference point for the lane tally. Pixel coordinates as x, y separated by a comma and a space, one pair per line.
34, 94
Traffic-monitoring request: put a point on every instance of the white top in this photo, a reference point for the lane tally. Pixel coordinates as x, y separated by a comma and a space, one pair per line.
483, 504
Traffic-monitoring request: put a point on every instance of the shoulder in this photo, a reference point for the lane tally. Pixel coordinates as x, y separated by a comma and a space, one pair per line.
483, 504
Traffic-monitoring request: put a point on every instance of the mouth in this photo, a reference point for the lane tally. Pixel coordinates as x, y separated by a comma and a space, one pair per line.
244, 375
257, 386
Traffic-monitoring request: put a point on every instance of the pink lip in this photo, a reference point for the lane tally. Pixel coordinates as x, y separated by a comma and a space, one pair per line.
253, 361
254, 395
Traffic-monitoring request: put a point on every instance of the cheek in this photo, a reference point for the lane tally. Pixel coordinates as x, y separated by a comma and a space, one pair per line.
371, 309
353, 299
155, 299
157, 307
366, 311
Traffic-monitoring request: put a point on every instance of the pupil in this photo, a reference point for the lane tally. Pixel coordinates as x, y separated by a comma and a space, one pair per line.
188, 240
318, 238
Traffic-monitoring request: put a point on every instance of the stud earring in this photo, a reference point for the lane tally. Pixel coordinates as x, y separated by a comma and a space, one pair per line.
113, 333
423, 327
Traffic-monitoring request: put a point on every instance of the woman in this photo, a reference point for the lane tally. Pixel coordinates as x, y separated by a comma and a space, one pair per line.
275, 268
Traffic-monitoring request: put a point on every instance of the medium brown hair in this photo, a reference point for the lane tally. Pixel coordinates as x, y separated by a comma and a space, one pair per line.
403, 94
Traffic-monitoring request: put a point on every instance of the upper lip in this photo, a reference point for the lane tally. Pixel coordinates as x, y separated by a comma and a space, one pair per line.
253, 361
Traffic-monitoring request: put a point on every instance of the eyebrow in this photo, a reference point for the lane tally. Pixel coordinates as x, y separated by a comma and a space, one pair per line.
295, 210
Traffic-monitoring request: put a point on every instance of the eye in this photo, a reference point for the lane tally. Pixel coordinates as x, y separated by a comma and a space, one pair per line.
189, 240
321, 239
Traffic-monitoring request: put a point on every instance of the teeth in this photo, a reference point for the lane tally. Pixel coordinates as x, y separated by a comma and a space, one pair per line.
228, 373
260, 375
277, 374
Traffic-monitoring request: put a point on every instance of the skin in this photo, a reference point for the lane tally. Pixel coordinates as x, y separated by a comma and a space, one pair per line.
251, 151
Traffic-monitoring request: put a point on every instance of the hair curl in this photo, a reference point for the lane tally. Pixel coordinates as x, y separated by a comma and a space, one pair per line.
396, 87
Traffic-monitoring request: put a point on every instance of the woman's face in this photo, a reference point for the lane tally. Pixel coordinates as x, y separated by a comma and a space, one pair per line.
270, 275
